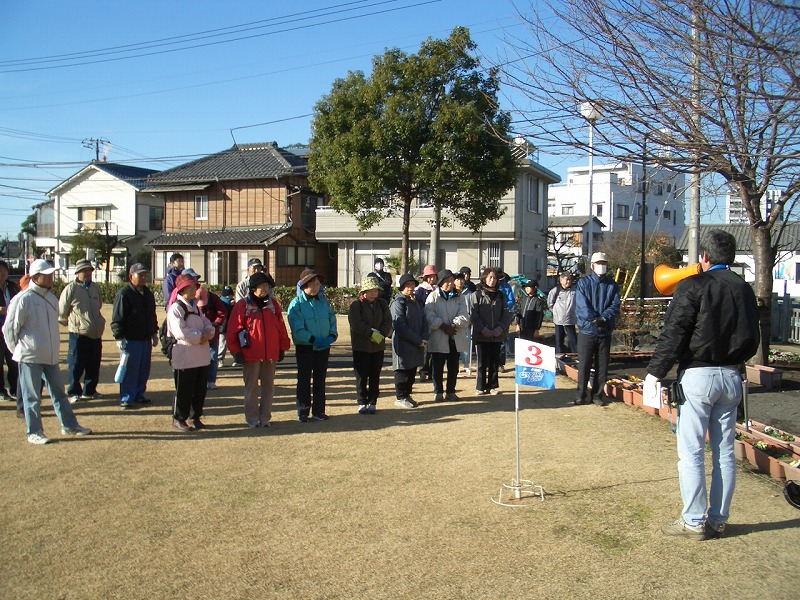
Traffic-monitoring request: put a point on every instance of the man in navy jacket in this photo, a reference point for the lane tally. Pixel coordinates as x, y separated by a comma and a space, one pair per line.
597, 305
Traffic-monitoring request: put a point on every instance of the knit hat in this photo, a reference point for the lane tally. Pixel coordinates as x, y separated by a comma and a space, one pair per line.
82, 265
370, 283
227, 292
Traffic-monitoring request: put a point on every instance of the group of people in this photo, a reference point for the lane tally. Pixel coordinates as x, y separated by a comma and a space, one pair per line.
711, 329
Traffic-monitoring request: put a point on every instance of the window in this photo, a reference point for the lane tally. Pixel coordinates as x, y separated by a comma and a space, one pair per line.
656, 211
659, 189
308, 212
667, 214
533, 195
494, 254
201, 208
599, 210
669, 187
567, 210
296, 256
565, 238
623, 211
156, 218
94, 217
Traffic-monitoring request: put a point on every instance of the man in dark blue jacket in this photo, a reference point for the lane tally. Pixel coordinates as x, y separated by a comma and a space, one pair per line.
710, 329
597, 305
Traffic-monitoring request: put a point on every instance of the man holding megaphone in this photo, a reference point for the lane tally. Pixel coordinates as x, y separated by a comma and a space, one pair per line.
710, 329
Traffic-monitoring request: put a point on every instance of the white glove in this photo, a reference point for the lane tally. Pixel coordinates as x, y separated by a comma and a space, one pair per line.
650, 386
122, 344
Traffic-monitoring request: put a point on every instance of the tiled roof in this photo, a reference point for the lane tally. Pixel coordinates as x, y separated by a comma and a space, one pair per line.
244, 161
744, 241
135, 176
572, 221
222, 237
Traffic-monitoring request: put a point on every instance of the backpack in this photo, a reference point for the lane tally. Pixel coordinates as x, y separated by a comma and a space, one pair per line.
166, 338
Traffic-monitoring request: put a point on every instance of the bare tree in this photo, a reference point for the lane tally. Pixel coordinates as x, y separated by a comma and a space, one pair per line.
698, 86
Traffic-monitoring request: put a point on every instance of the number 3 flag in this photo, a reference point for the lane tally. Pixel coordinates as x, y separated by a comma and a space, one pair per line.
535, 364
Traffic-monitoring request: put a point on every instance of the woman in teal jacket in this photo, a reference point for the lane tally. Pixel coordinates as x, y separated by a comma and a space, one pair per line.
313, 326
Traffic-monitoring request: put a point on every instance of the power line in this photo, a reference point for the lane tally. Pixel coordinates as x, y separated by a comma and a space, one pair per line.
215, 43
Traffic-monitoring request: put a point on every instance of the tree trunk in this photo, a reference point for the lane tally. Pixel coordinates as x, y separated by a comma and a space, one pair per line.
764, 258
406, 228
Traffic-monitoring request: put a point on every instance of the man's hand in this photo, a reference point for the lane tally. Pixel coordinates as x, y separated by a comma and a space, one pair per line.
154, 339
497, 331
650, 386
486, 332
600, 324
122, 344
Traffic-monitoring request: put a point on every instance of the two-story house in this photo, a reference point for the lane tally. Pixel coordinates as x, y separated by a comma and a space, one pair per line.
516, 241
105, 197
250, 201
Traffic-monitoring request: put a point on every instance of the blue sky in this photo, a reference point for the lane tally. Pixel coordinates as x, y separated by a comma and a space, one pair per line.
179, 102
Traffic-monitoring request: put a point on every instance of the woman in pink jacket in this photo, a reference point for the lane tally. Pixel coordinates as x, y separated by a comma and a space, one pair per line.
192, 332
257, 339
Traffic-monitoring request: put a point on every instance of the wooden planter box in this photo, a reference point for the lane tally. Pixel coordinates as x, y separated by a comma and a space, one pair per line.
770, 377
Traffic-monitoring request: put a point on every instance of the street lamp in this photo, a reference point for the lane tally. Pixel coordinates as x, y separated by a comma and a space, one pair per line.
590, 113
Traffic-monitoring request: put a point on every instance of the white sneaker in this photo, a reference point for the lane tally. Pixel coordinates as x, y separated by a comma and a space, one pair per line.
38, 438
211, 385
494, 391
74, 399
77, 430
403, 403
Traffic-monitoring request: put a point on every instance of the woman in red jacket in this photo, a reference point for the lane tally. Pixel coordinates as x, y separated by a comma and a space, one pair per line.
257, 339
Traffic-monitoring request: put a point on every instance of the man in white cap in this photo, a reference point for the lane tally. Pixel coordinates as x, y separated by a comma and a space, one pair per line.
79, 309
31, 329
597, 305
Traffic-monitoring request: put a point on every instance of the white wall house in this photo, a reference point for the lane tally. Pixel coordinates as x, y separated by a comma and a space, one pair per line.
617, 197
516, 241
104, 197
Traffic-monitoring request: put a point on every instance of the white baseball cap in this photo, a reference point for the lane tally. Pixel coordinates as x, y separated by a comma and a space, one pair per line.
599, 257
42, 266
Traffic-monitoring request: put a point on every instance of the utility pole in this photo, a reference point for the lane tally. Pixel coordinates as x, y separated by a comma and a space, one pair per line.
95, 143
694, 185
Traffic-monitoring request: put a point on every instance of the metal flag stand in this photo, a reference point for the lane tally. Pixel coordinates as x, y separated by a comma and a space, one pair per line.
519, 492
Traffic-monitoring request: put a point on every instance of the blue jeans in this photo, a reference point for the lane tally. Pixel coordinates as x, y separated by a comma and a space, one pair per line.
213, 366
83, 358
712, 395
134, 384
30, 388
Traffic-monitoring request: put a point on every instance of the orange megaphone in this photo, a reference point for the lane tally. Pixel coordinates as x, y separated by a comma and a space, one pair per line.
666, 278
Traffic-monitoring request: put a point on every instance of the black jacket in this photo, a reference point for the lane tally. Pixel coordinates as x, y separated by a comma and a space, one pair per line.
711, 321
530, 312
134, 314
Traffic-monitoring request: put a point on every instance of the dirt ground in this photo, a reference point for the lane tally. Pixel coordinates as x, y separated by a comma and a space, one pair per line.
393, 505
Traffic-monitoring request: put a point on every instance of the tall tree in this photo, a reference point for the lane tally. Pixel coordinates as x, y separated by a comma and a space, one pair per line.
422, 126
699, 86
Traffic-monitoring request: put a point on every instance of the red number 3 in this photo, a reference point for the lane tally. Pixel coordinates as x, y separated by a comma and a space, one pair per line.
536, 359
